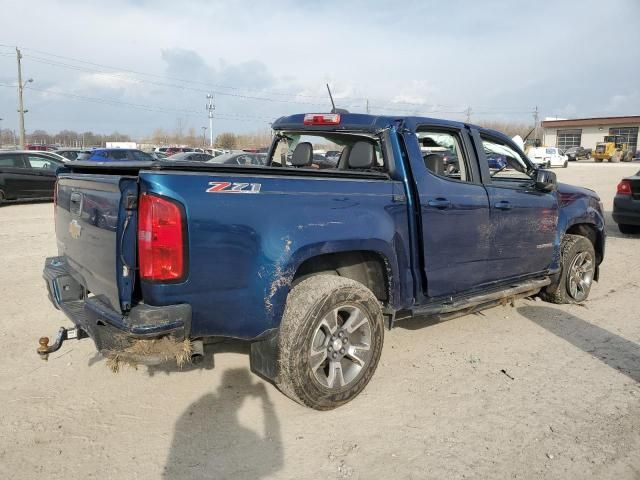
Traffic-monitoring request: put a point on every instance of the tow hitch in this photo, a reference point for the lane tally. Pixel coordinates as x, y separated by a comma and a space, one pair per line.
63, 334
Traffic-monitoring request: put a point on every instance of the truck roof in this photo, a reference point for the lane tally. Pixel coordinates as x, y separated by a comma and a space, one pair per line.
360, 122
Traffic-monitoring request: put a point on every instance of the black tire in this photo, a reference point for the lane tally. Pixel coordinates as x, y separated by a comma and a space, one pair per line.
628, 229
2, 197
565, 164
598, 160
561, 289
305, 329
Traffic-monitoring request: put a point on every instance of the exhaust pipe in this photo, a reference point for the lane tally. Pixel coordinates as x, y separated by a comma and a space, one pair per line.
197, 351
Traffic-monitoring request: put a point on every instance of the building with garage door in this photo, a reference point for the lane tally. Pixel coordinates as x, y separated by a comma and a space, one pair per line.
586, 132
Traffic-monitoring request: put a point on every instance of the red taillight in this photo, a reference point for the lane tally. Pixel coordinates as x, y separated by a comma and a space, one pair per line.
624, 187
161, 239
322, 119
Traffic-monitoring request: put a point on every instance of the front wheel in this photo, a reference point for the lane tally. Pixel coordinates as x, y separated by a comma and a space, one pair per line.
330, 341
565, 164
573, 284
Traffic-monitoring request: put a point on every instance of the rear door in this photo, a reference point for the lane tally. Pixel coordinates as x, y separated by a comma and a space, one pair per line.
43, 173
453, 210
523, 220
18, 179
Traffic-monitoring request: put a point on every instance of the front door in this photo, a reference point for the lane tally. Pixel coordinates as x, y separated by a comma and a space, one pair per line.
454, 210
523, 219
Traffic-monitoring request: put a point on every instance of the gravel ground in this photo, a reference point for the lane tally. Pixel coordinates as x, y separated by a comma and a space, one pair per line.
535, 391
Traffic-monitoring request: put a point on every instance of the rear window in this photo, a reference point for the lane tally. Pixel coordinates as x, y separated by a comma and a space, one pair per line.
551, 151
320, 143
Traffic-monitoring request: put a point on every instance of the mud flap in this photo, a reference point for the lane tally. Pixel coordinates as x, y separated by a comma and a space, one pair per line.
264, 357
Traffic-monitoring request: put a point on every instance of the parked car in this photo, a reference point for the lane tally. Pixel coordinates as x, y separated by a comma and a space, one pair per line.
496, 161
548, 157
577, 153
158, 155
118, 155
626, 204
27, 175
190, 157
240, 158
74, 153
312, 265
173, 150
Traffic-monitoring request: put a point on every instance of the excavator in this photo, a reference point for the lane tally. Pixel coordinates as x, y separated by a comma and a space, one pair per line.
613, 149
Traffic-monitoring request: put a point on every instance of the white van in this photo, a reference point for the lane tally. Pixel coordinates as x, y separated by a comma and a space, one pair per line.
548, 157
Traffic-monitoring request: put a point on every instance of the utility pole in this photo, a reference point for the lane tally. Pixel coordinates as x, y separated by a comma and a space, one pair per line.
204, 141
535, 124
21, 109
1, 131
210, 108
367, 106
468, 113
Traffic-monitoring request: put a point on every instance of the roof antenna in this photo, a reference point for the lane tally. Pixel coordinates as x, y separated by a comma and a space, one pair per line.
333, 105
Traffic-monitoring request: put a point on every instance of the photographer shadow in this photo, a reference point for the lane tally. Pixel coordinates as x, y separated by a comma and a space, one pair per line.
210, 442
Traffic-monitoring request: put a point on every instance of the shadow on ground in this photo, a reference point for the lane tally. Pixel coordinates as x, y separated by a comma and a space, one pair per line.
614, 350
210, 442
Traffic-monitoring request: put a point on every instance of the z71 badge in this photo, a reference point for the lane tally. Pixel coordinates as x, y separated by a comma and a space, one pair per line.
229, 187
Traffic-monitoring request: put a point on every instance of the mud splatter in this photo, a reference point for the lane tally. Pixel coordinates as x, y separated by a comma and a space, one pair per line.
158, 350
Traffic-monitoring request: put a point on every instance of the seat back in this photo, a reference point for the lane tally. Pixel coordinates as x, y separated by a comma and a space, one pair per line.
361, 156
302, 155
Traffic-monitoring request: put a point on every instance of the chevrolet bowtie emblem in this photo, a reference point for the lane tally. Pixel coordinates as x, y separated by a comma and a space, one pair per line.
74, 229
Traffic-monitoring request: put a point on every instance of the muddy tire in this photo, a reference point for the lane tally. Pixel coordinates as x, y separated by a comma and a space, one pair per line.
573, 284
2, 197
330, 341
598, 160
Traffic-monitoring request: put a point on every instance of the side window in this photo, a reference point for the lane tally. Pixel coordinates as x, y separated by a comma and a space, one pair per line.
443, 155
118, 154
41, 163
141, 156
12, 160
505, 163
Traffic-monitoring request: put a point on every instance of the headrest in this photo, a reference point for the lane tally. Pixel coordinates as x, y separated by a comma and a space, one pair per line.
435, 163
302, 155
362, 155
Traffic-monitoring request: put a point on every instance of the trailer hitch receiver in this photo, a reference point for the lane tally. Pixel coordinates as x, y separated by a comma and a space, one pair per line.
63, 334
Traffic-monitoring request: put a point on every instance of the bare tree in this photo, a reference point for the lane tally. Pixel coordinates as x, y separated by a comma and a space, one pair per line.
227, 140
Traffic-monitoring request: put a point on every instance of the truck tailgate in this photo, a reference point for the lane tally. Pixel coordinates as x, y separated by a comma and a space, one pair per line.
95, 218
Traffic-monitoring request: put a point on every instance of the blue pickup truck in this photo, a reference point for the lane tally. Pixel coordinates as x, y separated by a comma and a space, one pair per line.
310, 264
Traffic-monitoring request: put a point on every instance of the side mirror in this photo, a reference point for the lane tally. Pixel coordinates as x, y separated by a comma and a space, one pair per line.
545, 180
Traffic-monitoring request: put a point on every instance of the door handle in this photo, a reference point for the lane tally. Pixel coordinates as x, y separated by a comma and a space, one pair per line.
440, 203
503, 205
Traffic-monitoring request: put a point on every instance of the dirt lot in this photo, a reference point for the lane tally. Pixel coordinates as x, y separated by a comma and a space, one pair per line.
535, 391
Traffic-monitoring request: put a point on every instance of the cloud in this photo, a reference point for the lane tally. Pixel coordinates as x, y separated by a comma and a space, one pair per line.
497, 57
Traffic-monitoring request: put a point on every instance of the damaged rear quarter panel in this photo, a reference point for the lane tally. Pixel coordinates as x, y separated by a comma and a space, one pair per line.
245, 249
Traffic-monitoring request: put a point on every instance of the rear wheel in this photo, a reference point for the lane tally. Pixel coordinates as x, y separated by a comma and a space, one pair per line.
2, 197
565, 164
573, 284
330, 341
628, 229
598, 160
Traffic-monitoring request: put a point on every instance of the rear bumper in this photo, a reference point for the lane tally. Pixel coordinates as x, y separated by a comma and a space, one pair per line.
626, 210
112, 331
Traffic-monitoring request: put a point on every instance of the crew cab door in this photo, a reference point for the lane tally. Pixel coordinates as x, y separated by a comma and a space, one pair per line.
43, 174
523, 219
453, 209
18, 181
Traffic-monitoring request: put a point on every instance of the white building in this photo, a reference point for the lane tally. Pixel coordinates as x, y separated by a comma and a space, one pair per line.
587, 132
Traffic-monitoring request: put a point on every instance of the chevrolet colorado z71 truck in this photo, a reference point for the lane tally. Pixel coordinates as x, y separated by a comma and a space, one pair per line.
311, 264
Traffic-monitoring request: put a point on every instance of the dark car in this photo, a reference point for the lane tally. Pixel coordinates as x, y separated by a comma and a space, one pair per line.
190, 157
577, 153
74, 153
27, 175
241, 158
626, 205
119, 155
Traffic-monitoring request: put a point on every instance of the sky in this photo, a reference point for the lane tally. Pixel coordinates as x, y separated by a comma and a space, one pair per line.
137, 65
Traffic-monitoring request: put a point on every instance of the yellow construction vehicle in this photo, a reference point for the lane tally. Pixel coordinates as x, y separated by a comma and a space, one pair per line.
613, 149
